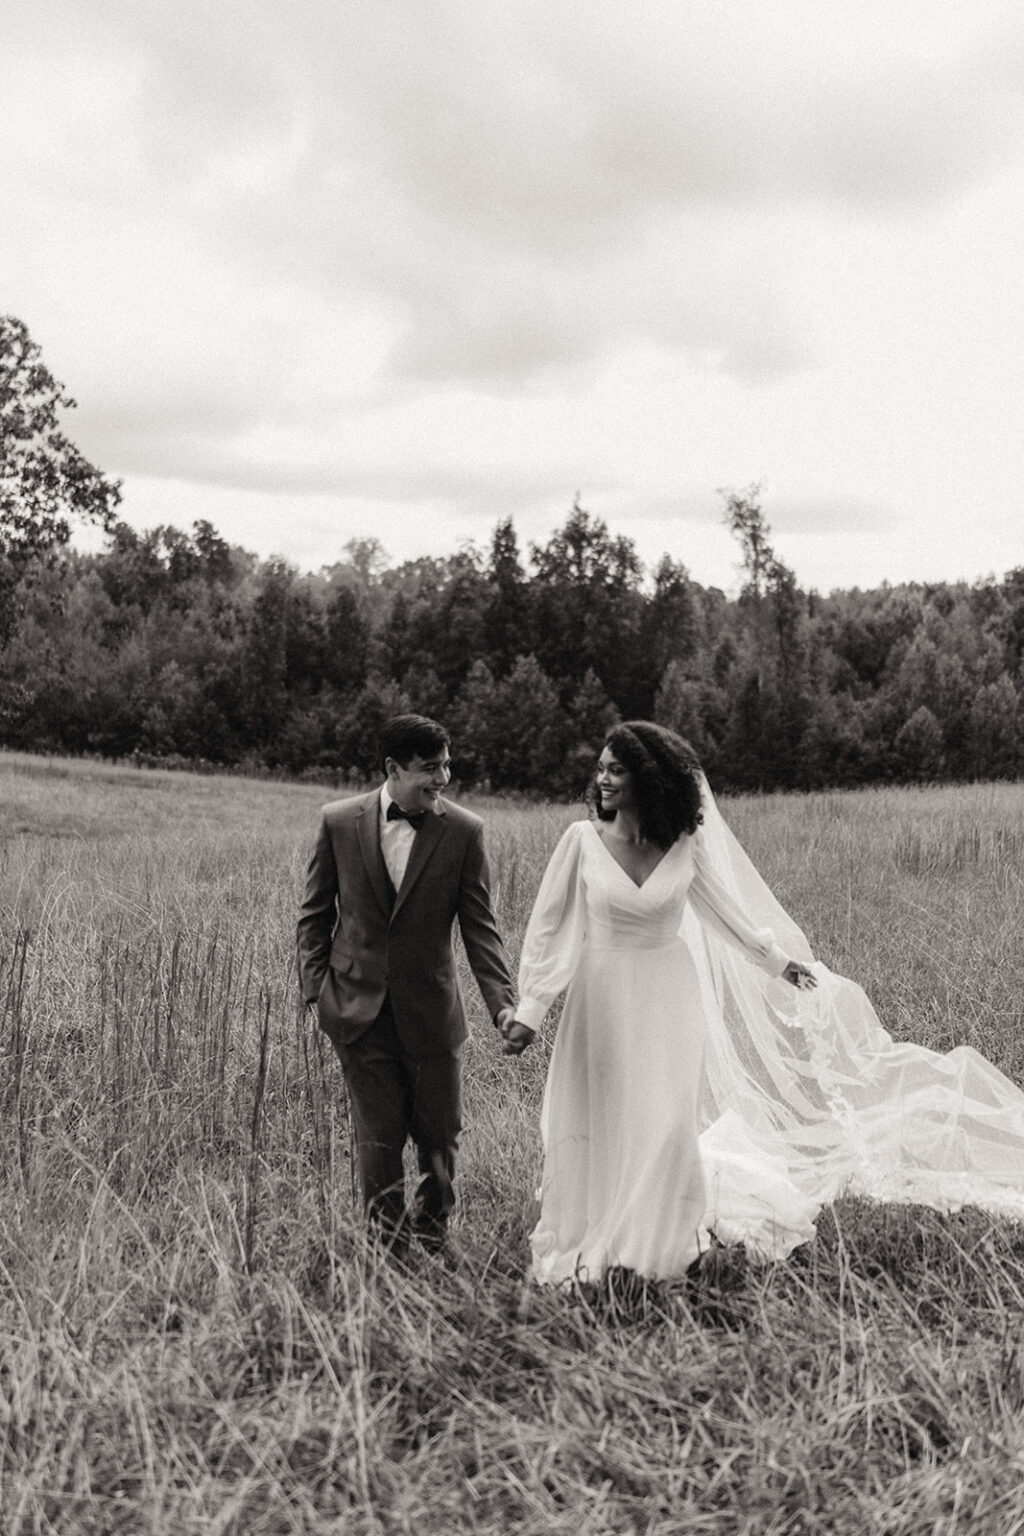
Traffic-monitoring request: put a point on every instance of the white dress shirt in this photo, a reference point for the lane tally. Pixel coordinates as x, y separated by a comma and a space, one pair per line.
395, 840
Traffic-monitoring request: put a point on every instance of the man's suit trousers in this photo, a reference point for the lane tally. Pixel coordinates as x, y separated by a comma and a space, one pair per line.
395, 1096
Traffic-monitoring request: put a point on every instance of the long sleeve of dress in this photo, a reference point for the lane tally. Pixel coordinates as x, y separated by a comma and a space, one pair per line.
555, 932
722, 913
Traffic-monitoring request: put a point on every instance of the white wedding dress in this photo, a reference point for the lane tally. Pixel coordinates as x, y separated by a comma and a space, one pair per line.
692, 1091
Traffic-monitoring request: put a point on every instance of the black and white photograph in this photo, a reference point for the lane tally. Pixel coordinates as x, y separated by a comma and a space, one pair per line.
511, 768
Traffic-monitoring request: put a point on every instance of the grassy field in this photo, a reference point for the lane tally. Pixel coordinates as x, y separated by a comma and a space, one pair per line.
194, 1338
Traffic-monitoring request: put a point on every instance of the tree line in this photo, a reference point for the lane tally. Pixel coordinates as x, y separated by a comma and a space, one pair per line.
173, 646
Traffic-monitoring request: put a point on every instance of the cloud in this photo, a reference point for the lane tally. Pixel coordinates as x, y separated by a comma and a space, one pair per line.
523, 195
786, 515
284, 216
420, 482
827, 515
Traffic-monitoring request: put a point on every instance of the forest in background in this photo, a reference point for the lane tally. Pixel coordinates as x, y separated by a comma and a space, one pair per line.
179, 649
175, 647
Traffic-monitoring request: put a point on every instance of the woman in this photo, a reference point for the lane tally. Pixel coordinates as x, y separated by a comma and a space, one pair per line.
698, 1083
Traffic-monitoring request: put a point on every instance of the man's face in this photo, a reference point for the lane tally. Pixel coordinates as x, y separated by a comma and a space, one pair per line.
418, 785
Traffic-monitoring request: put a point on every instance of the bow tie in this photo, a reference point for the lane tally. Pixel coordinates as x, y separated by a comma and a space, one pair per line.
414, 818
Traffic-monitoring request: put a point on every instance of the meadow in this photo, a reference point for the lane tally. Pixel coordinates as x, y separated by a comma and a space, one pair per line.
195, 1338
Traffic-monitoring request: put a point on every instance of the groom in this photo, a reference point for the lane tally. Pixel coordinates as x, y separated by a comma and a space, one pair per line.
390, 873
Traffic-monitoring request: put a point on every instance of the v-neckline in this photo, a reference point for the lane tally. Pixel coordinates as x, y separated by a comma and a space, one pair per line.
638, 885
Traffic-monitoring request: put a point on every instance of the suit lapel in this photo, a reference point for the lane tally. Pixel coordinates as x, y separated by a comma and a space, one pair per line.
423, 845
368, 831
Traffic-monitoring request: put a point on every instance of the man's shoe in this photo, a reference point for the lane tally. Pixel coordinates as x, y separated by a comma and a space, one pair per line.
439, 1246
391, 1244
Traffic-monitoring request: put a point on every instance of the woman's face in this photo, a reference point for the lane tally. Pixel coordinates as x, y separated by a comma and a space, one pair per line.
614, 783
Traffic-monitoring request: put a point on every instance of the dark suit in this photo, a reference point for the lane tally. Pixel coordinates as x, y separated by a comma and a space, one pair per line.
379, 965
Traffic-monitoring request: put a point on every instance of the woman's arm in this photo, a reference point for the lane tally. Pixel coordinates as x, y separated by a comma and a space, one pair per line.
716, 908
554, 933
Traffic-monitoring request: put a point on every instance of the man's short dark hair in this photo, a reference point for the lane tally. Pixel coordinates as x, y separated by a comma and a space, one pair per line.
404, 737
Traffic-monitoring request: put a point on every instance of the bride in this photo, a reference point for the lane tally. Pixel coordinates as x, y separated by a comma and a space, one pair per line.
708, 1077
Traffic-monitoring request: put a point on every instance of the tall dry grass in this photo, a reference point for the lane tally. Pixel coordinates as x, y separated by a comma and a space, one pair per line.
195, 1338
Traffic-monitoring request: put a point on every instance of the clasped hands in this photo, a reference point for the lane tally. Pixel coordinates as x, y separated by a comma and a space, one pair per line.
516, 1036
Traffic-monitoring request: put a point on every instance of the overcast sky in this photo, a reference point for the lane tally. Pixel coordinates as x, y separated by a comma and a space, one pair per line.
403, 267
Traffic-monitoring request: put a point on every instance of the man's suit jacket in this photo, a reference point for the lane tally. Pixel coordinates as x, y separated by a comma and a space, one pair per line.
356, 943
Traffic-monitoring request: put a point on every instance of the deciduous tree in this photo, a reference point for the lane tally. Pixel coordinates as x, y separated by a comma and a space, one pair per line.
46, 483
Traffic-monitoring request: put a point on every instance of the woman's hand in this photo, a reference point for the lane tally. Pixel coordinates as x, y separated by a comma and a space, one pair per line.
800, 976
517, 1037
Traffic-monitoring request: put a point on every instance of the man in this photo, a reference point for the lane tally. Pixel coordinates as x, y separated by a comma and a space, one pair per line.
390, 873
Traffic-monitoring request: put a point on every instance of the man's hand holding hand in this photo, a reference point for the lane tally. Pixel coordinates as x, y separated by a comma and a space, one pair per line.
515, 1035
518, 1037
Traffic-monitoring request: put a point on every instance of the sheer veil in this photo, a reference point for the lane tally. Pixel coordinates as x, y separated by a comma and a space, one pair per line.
808, 1097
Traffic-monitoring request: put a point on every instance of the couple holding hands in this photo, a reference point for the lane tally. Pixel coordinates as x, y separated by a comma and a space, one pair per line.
708, 1082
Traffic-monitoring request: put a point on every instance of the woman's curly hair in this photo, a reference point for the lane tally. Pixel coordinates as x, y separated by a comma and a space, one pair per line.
666, 783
